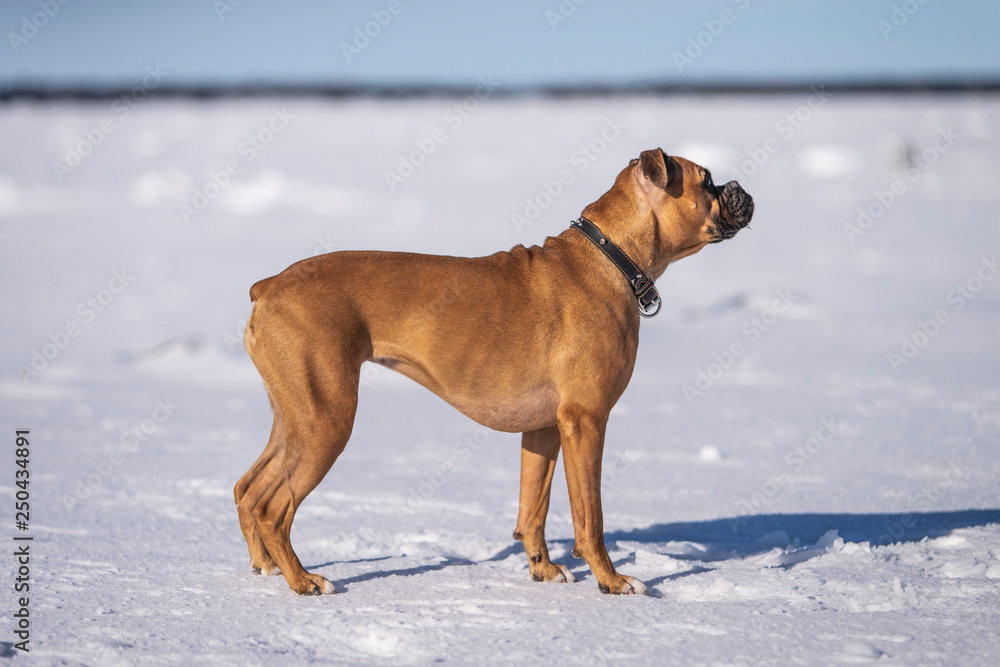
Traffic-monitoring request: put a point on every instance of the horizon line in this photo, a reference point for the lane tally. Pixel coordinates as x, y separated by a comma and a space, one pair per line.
42, 91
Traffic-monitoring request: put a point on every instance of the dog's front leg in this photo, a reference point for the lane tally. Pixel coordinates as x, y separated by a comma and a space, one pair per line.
539, 451
582, 437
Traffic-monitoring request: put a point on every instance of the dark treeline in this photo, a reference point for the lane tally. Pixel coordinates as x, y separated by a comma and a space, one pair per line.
12, 91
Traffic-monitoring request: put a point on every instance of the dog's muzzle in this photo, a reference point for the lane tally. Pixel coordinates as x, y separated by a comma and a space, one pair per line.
737, 210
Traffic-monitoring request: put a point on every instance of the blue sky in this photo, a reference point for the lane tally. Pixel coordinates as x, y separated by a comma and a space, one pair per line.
519, 42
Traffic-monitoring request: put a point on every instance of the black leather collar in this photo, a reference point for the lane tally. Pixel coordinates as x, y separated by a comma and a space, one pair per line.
642, 286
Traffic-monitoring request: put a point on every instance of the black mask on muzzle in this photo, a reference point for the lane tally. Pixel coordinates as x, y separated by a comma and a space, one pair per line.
737, 209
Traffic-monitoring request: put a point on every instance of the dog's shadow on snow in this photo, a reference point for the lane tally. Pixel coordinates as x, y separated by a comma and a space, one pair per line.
737, 537
341, 584
744, 536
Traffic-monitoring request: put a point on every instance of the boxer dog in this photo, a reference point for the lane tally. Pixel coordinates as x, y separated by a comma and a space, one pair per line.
539, 341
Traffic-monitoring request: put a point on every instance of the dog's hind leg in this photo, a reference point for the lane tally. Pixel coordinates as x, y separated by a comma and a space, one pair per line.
310, 450
539, 450
248, 491
317, 397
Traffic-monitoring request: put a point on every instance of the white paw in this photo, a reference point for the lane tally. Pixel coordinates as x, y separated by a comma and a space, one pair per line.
638, 588
568, 576
267, 572
326, 588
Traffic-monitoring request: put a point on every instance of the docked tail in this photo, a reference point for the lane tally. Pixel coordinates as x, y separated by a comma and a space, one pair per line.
260, 288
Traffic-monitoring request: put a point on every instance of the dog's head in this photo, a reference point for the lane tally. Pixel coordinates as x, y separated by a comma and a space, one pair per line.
690, 210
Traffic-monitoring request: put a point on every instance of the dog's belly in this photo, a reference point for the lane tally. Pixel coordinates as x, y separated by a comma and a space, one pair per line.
512, 409
531, 410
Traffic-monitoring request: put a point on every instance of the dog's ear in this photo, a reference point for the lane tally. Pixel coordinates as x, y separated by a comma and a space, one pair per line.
654, 167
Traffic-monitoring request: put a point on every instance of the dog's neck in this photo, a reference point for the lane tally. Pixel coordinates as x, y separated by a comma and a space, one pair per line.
629, 222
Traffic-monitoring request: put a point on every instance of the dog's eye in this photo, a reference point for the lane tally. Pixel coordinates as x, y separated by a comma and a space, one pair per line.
708, 181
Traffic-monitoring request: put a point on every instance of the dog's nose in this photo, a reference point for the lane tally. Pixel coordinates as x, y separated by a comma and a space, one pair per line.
737, 205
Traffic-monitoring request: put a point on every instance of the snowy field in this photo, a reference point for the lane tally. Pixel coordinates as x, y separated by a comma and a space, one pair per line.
827, 495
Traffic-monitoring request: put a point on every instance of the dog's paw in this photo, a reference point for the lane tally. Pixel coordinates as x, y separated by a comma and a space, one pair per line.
626, 586
552, 573
636, 587
268, 571
313, 584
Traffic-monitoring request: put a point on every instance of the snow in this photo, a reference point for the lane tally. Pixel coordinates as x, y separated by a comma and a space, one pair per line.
813, 504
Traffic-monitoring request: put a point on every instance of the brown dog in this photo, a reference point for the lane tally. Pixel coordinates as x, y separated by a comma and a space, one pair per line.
539, 341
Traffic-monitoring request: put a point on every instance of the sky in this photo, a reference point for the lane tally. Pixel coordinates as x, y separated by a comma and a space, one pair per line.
518, 42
